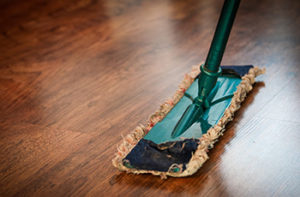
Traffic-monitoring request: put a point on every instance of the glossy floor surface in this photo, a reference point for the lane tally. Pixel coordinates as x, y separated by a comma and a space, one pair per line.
75, 75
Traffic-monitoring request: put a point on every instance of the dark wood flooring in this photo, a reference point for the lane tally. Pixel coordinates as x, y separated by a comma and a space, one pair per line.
75, 75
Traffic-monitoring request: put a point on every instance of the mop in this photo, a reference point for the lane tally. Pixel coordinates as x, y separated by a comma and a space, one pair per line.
178, 136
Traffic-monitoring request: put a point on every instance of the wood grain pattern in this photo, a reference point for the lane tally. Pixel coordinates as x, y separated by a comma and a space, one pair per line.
75, 75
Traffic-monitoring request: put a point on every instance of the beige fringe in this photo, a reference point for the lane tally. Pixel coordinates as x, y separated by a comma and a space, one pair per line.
206, 141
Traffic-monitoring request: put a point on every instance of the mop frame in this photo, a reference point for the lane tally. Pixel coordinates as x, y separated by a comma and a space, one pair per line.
206, 141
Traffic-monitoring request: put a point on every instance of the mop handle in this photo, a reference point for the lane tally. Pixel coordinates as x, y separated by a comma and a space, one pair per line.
221, 35
210, 71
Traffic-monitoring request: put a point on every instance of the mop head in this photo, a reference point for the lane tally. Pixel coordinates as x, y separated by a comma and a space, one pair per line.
184, 155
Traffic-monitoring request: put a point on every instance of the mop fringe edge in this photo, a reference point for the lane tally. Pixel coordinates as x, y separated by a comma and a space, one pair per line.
206, 141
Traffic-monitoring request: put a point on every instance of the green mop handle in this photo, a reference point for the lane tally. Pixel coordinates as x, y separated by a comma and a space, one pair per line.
211, 69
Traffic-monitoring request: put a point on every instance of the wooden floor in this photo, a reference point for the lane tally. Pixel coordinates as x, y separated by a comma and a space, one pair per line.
75, 75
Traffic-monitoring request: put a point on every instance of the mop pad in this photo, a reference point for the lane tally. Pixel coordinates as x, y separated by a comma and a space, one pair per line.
186, 154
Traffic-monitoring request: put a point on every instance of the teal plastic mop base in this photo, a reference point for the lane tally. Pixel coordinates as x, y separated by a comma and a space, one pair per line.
161, 132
